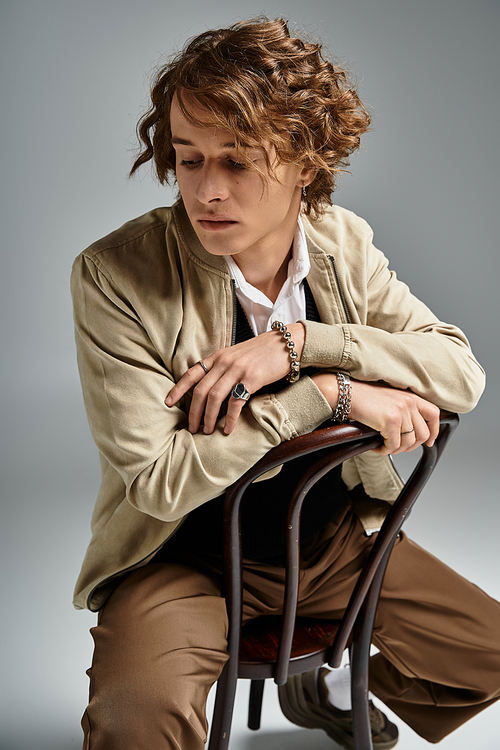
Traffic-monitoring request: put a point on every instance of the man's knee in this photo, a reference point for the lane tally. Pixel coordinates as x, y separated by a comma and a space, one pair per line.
159, 646
168, 701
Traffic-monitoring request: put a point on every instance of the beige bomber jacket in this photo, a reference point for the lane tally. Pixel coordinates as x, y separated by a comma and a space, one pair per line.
149, 302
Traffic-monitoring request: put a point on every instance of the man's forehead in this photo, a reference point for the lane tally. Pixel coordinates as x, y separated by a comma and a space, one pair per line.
203, 120
187, 106
191, 108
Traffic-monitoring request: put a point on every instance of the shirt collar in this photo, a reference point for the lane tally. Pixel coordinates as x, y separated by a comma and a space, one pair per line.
300, 256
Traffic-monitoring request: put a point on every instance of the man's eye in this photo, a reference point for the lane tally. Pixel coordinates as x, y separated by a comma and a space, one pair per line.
237, 164
190, 163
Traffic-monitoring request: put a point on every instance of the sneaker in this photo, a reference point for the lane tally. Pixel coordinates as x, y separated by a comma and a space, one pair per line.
304, 702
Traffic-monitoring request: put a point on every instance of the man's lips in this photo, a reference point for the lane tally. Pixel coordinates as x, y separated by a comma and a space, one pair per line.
216, 223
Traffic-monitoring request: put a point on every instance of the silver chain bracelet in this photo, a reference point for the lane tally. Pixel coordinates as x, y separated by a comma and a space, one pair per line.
343, 409
294, 373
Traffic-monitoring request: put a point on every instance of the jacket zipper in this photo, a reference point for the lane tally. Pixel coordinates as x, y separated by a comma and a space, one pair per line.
341, 291
235, 312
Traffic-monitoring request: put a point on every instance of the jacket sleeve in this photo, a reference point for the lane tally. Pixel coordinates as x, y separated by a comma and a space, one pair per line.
396, 339
166, 470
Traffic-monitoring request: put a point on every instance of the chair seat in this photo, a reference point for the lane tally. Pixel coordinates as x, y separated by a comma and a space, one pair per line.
260, 638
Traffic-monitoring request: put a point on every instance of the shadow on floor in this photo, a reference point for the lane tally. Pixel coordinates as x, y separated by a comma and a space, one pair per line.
24, 742
289, 739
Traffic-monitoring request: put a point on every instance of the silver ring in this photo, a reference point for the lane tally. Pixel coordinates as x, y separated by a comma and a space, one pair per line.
407, 432
200, 362
239, 391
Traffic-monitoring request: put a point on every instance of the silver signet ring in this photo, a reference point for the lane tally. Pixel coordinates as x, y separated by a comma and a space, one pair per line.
239, 391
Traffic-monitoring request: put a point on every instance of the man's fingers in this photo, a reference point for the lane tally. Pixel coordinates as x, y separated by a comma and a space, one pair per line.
433, 427
208, 398
203, 404
190, 378
234, 408
214, 400
412, 437
261, 360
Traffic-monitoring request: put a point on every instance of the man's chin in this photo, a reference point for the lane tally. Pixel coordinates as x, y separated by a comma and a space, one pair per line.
215, 244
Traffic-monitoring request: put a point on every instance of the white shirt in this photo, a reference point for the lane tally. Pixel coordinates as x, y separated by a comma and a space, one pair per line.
290, 304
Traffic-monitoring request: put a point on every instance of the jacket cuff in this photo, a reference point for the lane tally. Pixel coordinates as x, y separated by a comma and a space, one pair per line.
305, 406
325, 345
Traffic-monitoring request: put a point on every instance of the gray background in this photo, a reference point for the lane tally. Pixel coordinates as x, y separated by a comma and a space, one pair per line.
74, 77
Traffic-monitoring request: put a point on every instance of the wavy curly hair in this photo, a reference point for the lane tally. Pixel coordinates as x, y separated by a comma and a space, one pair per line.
257, 81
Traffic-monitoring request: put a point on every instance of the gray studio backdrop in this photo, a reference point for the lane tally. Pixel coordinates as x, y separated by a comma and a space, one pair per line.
74, 79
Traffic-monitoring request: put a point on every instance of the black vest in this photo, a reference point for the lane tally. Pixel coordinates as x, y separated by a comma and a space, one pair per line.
265, 504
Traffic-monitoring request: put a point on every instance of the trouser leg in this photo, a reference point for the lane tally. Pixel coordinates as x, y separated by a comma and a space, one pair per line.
161, 641
160, 644
438, 635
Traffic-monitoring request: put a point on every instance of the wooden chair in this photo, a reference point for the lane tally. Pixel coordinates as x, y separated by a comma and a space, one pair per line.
281, 646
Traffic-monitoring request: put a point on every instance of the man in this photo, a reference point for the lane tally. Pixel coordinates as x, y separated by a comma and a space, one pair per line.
181, 321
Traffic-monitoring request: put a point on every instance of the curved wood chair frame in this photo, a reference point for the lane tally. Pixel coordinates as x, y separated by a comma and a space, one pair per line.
334, 444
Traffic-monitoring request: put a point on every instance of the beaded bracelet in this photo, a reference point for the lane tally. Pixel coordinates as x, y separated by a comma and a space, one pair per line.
343, 409
294, 373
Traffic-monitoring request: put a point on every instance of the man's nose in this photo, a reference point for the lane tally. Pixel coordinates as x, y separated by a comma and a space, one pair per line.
212, 184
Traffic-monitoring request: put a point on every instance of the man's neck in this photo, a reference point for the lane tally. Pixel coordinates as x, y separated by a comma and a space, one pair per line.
266, 268
264, 276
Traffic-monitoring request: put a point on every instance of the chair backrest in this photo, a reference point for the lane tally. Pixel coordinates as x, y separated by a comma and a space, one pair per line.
334, 444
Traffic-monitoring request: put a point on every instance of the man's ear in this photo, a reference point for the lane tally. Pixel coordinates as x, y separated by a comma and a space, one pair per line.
307, 175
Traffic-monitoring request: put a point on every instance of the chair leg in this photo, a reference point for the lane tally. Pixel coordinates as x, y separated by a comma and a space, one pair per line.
255, 703
360, 657
223, 709
359, 691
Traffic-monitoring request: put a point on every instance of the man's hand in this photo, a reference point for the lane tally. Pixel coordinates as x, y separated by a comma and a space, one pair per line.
255, 363
405, 420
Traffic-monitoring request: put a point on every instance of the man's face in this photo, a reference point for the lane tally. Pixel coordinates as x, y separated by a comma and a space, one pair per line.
232, 211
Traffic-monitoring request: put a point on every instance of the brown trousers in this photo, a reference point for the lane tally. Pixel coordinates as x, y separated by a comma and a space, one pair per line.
160, 642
